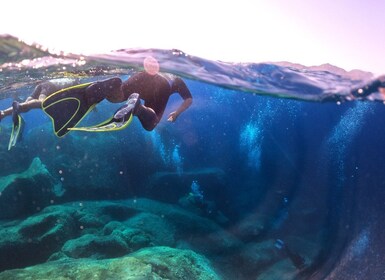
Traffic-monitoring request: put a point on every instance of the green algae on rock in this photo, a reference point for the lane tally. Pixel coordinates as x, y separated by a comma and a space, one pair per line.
150, 263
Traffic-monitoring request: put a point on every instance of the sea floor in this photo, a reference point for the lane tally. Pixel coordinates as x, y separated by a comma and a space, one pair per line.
43, 236
131, 239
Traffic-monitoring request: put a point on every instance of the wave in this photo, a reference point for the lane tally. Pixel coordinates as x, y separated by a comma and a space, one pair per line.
23, 64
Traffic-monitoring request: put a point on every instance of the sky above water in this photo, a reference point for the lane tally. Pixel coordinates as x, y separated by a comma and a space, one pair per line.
346, 33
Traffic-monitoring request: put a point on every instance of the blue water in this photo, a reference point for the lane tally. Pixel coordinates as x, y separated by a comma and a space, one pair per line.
269, 161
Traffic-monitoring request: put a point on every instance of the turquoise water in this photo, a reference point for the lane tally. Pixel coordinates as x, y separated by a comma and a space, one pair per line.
275, 172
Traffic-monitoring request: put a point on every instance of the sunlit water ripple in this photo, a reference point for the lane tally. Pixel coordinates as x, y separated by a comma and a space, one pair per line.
284, 80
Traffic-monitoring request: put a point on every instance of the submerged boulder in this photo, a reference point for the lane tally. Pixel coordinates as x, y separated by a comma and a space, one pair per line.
256, 257
111, 229
27, 192
150, 263
282, 269
95, 246
134, 224
200, 233
32, 241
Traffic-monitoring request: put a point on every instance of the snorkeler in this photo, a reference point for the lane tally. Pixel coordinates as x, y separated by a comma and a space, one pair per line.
68, 104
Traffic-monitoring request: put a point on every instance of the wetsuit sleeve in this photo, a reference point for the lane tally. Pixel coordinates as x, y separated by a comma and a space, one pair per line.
180, 86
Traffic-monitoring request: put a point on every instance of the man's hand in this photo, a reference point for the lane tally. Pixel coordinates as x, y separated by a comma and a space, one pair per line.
172, 117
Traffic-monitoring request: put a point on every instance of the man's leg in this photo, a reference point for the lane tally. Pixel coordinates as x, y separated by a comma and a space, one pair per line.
32, 102
109, 89
147, 117
21, 107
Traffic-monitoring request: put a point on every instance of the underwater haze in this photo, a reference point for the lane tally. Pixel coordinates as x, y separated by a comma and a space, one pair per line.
276, 171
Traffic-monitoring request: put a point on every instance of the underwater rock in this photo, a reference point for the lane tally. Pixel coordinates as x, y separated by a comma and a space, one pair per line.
145, 222
157, 228
33, 240
255, 257
283, 269
42, 235
202, 234
105, 229
134, 238
104, 236
117, 211
171, 263
251, 227
97, 247
27, 192
151, 263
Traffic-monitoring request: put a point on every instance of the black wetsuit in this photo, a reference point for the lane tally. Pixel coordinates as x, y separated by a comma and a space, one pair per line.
155, 90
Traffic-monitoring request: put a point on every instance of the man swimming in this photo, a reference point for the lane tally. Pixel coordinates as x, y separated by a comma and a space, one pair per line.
68, 107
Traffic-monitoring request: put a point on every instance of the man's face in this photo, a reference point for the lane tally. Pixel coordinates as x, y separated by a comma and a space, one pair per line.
382, 91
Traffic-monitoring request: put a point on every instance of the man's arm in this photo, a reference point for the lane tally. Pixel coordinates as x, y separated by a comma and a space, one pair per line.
174, 115
180, 87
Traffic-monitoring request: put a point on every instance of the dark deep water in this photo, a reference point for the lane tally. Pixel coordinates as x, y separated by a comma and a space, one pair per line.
256, 159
